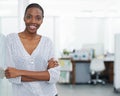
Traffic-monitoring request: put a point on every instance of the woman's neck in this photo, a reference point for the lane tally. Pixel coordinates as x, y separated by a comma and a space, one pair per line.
29, 36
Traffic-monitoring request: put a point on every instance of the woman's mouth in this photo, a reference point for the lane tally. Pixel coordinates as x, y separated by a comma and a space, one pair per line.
32, 27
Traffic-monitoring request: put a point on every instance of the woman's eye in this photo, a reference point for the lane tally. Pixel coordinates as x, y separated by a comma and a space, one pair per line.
28, 17
38, 18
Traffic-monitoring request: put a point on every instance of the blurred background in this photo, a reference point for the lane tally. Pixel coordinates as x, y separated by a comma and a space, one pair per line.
76, 21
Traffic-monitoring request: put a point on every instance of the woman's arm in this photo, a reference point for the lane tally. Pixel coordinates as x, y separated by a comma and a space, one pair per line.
28, 76
34, 75
51, 64
28, 79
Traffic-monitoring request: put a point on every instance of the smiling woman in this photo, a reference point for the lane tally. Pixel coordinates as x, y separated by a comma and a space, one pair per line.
30, 62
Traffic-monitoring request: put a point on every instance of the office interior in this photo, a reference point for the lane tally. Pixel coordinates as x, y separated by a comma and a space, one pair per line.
81, 31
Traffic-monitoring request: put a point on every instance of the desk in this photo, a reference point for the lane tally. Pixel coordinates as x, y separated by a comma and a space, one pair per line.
108, 73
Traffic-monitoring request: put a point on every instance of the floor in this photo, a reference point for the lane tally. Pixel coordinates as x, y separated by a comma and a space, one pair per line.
69, 90
86, 90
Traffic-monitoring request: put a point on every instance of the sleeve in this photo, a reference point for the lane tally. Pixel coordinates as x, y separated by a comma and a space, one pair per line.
54, 72
9, 61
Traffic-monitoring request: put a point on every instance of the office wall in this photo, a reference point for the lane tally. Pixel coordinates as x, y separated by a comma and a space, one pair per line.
74, 32
83, 21
66, 23
9, 25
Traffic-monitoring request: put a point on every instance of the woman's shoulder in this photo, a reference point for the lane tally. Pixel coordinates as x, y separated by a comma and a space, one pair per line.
11, 37
46, 39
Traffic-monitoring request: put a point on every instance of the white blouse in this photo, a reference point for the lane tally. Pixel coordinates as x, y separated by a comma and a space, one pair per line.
19, 58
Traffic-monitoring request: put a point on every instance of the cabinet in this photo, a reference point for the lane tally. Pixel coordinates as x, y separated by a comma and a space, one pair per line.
81, 71
109, 71
65, 71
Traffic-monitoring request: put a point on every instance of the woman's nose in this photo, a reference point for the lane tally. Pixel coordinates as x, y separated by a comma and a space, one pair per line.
33, 20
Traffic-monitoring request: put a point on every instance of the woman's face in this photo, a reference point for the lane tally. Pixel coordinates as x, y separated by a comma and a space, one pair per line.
33, 19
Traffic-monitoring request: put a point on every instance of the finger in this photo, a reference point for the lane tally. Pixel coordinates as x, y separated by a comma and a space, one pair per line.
56, 61
56, 64
7, 75
5, 71
50, 60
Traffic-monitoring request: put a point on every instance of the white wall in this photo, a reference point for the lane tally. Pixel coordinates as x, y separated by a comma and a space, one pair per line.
83, 21
9, 25
72, 24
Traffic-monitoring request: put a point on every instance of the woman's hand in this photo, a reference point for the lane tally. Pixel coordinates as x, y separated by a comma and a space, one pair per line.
52, 63
11, 72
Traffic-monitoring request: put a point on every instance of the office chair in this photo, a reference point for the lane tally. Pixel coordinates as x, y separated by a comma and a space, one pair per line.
96, 67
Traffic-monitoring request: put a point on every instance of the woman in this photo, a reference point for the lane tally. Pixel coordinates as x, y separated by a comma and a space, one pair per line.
30, 65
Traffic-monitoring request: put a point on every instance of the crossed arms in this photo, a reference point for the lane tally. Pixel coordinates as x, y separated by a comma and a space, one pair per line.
29, 76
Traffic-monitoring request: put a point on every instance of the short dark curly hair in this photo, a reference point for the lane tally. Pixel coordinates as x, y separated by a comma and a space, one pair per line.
36, 5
